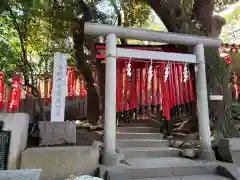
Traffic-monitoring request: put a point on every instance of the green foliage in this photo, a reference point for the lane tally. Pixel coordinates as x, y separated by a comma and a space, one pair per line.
136, 13
221, 5
233, 15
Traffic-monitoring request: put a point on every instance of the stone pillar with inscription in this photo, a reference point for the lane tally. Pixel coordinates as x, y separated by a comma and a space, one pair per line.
58, 131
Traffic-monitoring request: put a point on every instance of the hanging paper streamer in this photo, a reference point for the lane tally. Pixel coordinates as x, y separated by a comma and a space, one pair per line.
1, 90
185, 73
166, 73
129, 69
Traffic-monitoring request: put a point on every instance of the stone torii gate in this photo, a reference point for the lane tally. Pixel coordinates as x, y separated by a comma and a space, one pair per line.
111, 33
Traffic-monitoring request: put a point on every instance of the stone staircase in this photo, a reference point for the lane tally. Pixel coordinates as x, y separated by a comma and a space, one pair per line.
148, 156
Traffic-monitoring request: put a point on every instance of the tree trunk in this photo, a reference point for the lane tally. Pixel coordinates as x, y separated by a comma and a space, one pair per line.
83, 45
176, 18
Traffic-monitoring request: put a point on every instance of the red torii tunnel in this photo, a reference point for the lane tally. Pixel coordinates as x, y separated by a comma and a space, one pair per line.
168, 92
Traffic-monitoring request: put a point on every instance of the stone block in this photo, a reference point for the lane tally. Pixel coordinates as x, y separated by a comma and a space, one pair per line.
22, 174
17, 123
229, 150
61, 162
55, 133
113, 173
228, 170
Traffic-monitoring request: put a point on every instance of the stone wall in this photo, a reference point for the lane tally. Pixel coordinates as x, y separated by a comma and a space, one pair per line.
61, 162
17, 123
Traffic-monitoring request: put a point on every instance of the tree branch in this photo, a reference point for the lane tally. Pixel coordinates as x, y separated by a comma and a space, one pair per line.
203, 14
172, 14
23, 49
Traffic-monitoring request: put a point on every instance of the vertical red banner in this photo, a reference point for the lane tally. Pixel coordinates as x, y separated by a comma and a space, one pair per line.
118, 72
14, 94
180, 84
50, 91
141, 88
1, 90
83, 91
125, 89
153, 87
70, 83
146, 86
133, 88
45, 91
161, 72
18, 92
74, 84
167, 94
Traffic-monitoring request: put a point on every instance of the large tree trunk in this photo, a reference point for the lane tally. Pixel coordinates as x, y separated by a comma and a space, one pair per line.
85, 55
176, 18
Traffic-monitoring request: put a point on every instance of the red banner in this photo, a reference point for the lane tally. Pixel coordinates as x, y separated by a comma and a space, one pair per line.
74, 88
153, 87
125, 106
14, 94
46, 91
83, 91
50, 93
1, 90
70, 83
146, 85
38, 87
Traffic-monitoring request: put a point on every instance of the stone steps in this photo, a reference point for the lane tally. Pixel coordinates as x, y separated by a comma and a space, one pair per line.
141, 168
124, 143
169, 168
149, 152
194, 177
138, 129
140, 124
149, 157
129, 135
